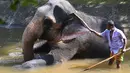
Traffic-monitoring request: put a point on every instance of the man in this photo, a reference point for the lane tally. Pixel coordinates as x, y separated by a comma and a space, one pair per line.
116, 39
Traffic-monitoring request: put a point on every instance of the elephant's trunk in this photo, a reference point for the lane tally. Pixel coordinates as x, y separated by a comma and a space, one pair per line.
28, 45
33, 31
30, 35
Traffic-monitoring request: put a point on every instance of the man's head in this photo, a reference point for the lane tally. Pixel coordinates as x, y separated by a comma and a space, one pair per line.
110, 25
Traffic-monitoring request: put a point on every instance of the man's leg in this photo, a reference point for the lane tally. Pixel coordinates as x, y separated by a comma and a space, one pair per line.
111, 61
118, 63
119, 59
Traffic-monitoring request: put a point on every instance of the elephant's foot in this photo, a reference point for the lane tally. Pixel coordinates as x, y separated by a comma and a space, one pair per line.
35, 63
39, 61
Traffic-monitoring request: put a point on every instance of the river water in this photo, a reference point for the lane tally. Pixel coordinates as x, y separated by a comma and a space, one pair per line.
10, 41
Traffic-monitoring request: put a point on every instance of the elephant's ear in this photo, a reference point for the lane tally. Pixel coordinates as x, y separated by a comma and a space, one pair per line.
59, 14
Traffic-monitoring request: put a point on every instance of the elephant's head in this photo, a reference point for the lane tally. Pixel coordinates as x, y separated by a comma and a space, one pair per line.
48, 19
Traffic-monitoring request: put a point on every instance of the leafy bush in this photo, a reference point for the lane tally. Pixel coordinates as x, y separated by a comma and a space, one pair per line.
15, 3
2, 21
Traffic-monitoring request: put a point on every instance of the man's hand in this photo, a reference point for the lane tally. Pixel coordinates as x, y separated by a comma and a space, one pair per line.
123, 50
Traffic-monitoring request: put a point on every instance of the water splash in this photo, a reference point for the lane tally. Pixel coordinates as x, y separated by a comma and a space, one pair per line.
11, 19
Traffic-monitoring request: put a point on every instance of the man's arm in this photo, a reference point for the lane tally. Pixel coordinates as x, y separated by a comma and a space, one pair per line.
125, 44
97, 33
124, 40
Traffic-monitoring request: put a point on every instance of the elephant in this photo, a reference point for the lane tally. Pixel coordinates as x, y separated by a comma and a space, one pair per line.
64, 35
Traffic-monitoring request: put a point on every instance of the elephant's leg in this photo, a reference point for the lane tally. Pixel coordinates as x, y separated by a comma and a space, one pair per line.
64, 51
41, 47
58, 53
46, 60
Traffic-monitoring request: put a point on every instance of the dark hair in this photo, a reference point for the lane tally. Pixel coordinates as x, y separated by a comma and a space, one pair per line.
111, 23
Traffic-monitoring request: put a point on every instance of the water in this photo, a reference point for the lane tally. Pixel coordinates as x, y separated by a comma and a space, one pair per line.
10, 41
11, 19
74, 67
10, 35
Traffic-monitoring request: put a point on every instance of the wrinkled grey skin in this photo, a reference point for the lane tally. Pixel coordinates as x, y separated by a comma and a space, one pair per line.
79, 46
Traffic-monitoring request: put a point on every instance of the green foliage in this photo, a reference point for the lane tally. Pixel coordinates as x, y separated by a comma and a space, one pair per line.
29, 2
2, 21
14, 4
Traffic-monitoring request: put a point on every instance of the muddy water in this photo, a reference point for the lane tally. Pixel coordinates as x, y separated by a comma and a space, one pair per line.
10, 42
75, 67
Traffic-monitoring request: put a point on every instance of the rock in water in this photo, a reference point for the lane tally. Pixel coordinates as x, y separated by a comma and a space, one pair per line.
8, 60
15, 54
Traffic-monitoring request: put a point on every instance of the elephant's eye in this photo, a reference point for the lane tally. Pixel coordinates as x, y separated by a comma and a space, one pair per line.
48, 23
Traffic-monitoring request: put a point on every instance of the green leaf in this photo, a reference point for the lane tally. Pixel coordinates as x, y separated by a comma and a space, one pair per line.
34, 2
24, 3
29, 2
13, 7
2, 21
14, 4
